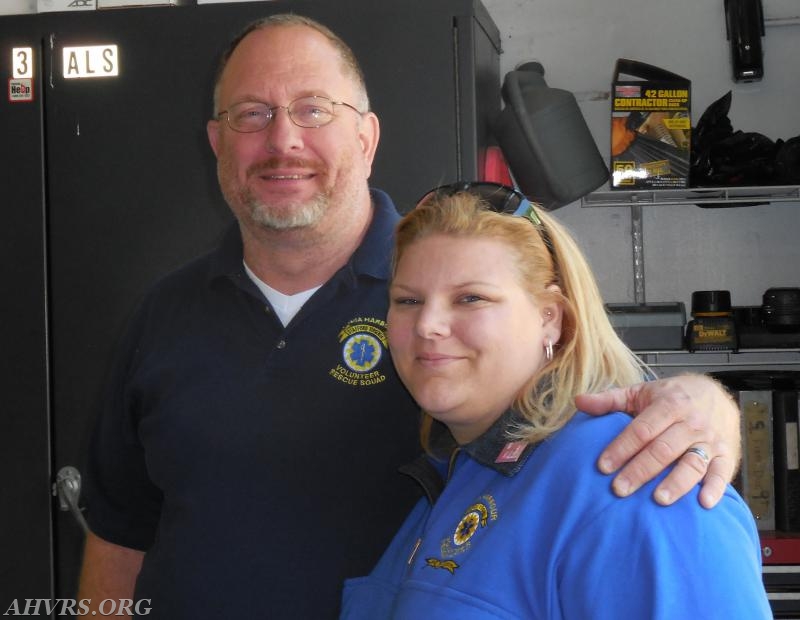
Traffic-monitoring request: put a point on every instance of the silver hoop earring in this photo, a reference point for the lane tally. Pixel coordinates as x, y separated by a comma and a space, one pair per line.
548, 350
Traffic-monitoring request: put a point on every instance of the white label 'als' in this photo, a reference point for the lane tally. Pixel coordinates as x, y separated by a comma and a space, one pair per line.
91, 62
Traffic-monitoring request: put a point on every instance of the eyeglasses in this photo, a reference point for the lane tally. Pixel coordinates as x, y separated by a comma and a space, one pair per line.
501, 199
308, 112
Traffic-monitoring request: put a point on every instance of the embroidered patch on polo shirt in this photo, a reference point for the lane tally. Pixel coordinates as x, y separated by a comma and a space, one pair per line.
364, 343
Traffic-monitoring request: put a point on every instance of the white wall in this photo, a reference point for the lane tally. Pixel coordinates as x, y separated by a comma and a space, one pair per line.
745, 249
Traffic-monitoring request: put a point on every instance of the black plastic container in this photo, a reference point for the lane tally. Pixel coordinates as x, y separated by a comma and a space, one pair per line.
712, 327
781, 309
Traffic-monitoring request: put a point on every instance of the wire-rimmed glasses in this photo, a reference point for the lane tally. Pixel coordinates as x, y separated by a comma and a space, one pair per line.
308, 112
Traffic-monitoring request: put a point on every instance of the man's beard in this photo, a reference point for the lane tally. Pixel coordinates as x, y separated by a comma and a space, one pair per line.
285, 217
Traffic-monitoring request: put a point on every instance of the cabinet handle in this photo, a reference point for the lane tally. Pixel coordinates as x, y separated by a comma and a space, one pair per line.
67, 488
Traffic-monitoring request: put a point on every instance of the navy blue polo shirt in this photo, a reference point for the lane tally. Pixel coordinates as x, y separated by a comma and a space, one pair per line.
256, 464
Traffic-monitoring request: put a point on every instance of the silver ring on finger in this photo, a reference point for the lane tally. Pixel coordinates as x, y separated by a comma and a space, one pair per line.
699, 452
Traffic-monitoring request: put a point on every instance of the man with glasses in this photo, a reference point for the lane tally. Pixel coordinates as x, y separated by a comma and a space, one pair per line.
245, 463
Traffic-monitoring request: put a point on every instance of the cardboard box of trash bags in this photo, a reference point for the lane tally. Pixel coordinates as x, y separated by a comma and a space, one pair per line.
650, 127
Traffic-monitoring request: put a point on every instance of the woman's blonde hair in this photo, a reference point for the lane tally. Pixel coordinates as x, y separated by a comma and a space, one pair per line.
589, 357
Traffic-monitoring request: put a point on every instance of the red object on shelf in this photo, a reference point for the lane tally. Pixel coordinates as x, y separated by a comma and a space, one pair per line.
779, 548
496, 168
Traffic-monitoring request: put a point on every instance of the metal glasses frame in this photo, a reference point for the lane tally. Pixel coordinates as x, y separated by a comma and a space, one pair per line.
270, 113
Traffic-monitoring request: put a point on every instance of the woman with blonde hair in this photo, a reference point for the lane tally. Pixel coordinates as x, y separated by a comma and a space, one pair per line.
495, 325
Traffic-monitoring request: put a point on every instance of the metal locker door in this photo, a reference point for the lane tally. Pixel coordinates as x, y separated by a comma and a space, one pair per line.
25, 519
131, 196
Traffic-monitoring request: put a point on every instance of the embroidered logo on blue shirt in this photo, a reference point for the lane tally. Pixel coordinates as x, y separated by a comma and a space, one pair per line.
475, 518
448, 565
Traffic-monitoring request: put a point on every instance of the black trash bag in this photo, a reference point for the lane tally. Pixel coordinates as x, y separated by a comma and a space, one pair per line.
787, 162
741, 160
714, 126
723, 157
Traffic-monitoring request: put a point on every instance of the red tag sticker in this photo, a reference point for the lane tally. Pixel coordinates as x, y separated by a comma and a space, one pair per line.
511, 452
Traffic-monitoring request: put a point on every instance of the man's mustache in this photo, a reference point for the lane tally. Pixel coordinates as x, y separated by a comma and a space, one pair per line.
278, 163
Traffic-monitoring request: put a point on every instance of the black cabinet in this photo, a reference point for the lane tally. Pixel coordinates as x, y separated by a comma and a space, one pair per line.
108, 182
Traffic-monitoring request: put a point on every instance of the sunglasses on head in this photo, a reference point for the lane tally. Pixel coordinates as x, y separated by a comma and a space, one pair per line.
500, 198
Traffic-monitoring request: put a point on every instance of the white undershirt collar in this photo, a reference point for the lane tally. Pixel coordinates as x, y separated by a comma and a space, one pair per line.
285, 306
